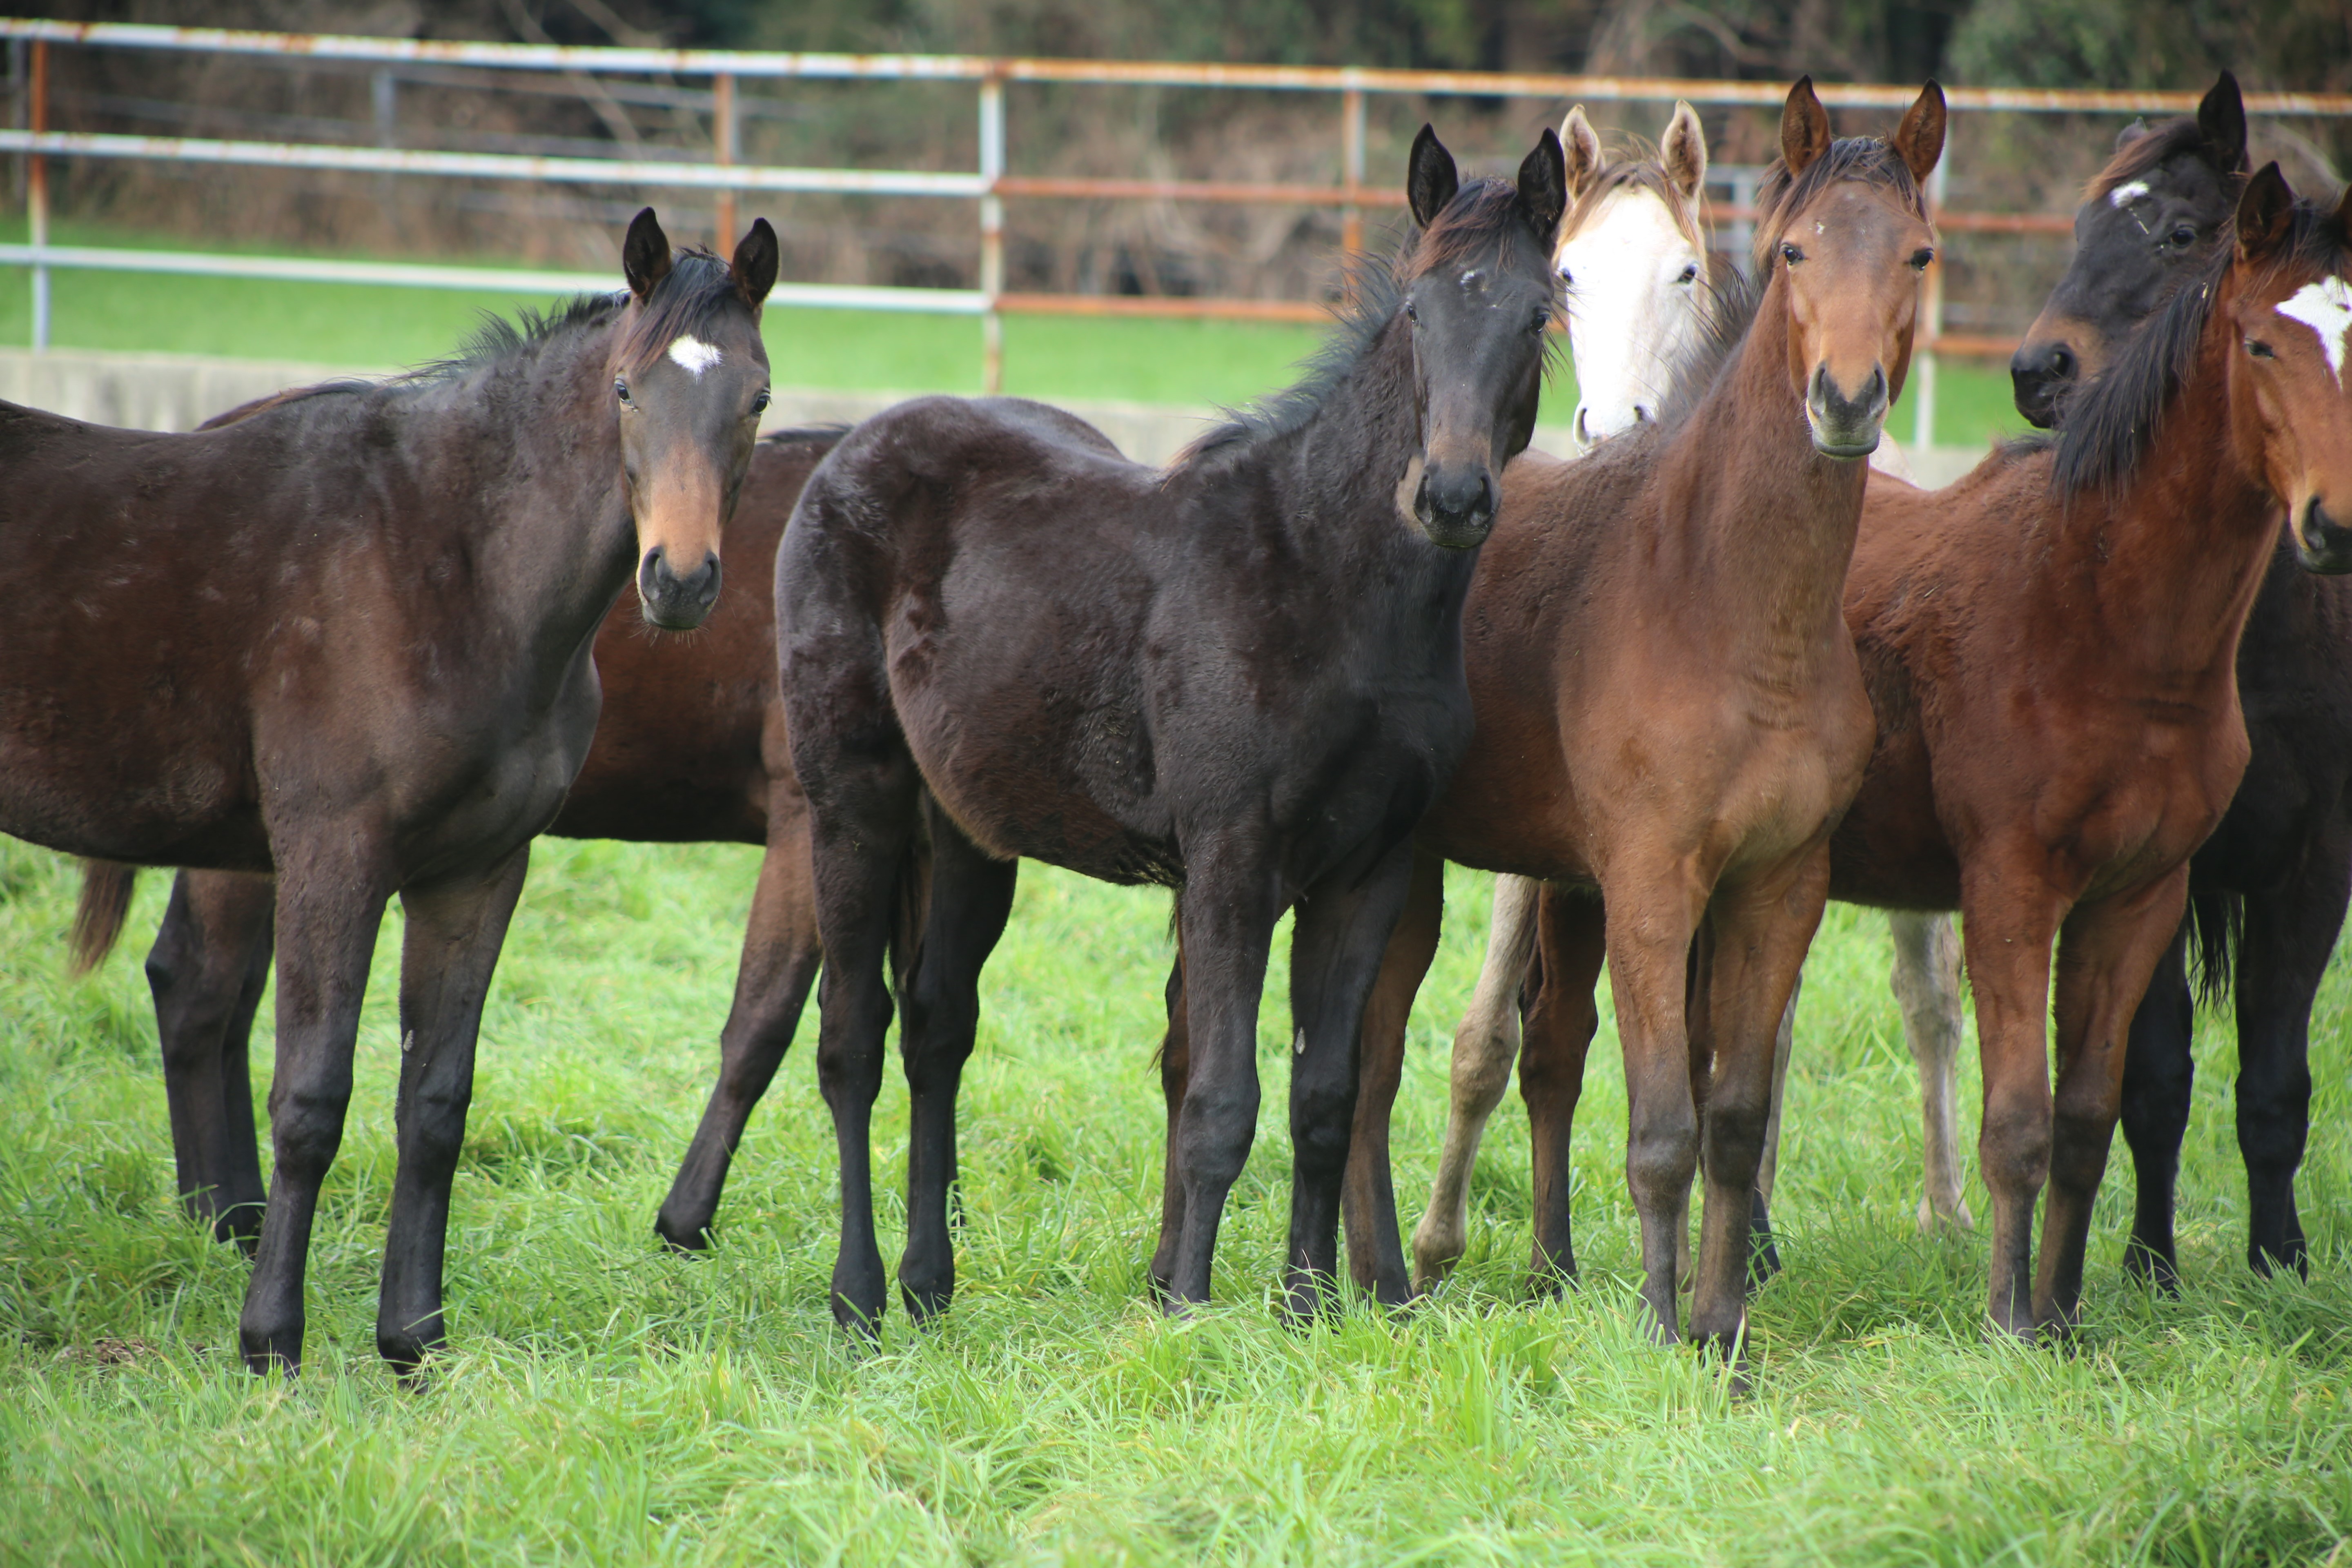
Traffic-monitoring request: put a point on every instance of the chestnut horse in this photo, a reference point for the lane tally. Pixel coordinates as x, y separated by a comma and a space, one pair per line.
1631, 251
689, 747
1241, 678
353, 632
2051, 647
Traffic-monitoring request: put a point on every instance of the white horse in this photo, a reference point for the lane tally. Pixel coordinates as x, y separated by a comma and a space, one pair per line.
1633, 251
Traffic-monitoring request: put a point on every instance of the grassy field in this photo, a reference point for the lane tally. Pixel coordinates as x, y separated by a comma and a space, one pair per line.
603, 1401
1194, 362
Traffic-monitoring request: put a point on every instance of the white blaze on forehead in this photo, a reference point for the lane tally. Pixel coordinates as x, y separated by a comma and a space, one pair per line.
2131, 190
2325, 306
695, 355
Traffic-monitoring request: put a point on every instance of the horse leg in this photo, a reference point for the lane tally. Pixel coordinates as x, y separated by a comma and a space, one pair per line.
328, 911
2290, 936
1232, 898
938, 1015
1759, 934
1557, 1026
1925, 981
781, 954
2009, 918
1485, 1046
1653, 913
2159, 1073
1763, 1256
1343, 932
1368, 1199
207, 969
1175, 1068
2107, 951
455, 930
1698, 996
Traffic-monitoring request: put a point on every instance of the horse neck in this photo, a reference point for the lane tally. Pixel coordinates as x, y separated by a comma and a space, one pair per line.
2168, 565
1757, 528
550, 535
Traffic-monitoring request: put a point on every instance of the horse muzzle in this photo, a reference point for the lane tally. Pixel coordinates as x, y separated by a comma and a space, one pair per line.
2039, 374
2321, 543
673, 603
1846, 428
1455, 504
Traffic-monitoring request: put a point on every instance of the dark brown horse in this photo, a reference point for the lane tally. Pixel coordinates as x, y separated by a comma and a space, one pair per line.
351, 635
2051, 647
689, 747
1241, 678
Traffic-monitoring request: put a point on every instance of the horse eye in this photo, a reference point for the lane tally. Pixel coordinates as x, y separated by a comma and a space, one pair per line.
1791, 254
1690, 274
1542, 321
2260, 349
621, 390
1410, 314
2183, 235
1920, 257
760, 404
1564, 278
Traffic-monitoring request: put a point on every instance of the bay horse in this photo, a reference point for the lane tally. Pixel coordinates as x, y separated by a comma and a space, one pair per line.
352, 634
2268, 891
689, 747
1633, 252
1240, 677
1669, 713
2051, 646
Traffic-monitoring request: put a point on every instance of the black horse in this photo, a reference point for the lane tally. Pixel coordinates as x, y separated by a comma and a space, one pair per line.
2268, 891
348, 635
1241, 678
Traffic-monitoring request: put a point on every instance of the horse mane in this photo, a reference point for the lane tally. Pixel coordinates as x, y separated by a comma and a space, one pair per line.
1778, 198
1633, 164
2111, 423
1471, 224
690, 294
2164, 140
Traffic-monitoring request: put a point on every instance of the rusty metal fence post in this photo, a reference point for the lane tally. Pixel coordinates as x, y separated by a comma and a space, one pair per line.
1931, 309
36, 195
723, 153
1351, 168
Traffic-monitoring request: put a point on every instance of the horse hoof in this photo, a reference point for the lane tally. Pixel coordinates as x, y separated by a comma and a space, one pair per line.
926, 1303
2151, 1269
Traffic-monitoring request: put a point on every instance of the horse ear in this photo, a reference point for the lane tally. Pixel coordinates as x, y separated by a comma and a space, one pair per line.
1543, 185
1920, 138
645, 255
2264, 214
1430, 179
1684, 149
1804, 128
2221, 116
2130, 134
754, 267
1582, 147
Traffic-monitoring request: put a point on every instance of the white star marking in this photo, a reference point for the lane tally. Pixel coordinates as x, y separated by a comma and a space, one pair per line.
2325, 306
695, 355
2131, 190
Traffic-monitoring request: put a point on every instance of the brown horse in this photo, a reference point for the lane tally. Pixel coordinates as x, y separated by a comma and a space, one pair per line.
1241, 676
689, 747
1669, 711
351, 635
2051, 648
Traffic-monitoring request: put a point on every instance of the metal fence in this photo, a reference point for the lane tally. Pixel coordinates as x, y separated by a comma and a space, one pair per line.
988, 185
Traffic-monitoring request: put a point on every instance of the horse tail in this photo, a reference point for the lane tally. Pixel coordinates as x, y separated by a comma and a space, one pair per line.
98, 917
2217, 928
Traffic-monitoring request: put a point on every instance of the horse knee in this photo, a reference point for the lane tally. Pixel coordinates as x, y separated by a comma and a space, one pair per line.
1482, 1064
1662, 1153
2013, 1149
306, 1131
1734, 1140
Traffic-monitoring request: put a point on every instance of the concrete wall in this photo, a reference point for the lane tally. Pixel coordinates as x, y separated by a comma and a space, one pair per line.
179, 392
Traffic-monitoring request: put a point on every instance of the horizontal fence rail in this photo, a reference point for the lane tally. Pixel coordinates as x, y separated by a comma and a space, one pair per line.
723, 173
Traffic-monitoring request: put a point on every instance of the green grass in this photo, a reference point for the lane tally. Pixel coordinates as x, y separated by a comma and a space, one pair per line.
603, 1401
1190, 363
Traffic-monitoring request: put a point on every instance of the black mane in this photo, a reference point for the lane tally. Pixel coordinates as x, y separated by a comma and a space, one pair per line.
696, 290
2111, 423
1474, 223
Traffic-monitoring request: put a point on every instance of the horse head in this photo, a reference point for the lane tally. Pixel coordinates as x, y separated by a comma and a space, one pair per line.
690, 383
2164, 197
1844, 238
2287, 297
1478, 293
1632, 257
